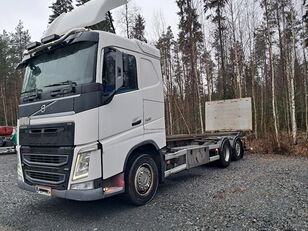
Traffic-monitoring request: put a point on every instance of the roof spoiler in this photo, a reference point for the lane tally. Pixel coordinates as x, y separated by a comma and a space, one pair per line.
85, 15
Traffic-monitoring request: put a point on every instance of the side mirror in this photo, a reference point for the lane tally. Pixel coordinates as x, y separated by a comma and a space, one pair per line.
119, 81
36, 71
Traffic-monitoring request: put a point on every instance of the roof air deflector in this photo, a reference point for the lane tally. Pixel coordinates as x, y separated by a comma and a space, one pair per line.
86, 15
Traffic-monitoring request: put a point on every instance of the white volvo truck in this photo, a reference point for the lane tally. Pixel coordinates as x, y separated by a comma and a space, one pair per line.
91, 116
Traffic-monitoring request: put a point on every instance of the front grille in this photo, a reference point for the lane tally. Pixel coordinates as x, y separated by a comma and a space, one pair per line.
45, 159
47, 166
45, 177
51, 135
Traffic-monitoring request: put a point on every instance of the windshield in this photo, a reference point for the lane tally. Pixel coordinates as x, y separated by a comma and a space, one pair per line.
75, 63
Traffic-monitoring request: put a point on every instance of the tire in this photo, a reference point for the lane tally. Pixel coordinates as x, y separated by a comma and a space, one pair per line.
141, 180
238, 150
225, 154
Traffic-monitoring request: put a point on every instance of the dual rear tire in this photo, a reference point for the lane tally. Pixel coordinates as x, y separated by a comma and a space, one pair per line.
225, 154
238, 150
228, 153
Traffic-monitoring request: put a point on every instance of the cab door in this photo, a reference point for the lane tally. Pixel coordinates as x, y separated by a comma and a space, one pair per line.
121, 116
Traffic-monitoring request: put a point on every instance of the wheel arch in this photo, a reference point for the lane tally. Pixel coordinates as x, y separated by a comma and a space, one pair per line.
147, 147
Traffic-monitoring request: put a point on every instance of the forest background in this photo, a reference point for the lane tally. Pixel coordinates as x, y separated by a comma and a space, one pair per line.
254, 48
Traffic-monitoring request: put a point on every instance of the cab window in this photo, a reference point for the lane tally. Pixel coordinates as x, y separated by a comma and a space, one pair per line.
109, 71
129, 73
129, 69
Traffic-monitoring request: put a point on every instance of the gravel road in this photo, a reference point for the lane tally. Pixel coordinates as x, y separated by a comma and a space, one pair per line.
257, 193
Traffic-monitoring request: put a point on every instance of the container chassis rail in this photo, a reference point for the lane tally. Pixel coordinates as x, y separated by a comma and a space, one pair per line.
189, 151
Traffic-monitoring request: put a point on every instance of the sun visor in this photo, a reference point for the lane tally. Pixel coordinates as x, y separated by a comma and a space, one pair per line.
85, 15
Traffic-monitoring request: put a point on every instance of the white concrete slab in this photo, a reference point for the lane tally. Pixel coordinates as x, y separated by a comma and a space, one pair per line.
229, 115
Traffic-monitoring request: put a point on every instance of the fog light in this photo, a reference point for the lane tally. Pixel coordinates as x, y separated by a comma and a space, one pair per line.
83, 186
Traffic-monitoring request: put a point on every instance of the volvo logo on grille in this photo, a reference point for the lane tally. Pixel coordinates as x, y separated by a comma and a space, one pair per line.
43, 108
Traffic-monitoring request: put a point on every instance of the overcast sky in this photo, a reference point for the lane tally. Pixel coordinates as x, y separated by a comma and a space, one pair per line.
35, 13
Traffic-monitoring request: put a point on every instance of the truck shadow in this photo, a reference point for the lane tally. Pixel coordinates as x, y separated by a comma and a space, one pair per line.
36, 207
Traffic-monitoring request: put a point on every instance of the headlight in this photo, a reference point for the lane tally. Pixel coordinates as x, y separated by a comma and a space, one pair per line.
82, 166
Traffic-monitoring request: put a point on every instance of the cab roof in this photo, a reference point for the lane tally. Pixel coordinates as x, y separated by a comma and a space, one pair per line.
130, 44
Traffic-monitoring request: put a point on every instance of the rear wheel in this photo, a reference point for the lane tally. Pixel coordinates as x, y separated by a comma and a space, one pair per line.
238, 150
225, 154
141, 180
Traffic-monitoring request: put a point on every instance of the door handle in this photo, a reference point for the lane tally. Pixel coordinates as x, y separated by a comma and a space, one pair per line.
136, 123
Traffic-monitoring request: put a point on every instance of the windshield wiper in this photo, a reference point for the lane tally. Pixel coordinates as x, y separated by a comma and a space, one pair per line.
33, 90
68, 82
36, 94
63, 91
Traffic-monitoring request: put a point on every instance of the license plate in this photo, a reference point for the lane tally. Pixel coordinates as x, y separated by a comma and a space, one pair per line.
46, 191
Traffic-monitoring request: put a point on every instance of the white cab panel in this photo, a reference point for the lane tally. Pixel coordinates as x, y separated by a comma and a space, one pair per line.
153, 115
153, 100
121, 128
116, 149
147, 74
119, 115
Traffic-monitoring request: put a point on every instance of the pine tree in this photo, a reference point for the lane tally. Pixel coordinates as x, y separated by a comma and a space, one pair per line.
190, 43
12, 46
60, 7
4, 70
139, 29
19, 40
208, 66
269, 18
106, 25
218, 18
164, 44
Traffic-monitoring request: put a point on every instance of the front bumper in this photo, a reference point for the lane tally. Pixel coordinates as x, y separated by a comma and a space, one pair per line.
87, 195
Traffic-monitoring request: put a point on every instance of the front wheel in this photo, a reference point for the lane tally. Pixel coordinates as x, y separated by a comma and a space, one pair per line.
141, 180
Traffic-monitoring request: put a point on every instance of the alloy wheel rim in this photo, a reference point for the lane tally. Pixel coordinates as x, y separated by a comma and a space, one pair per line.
144, 179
